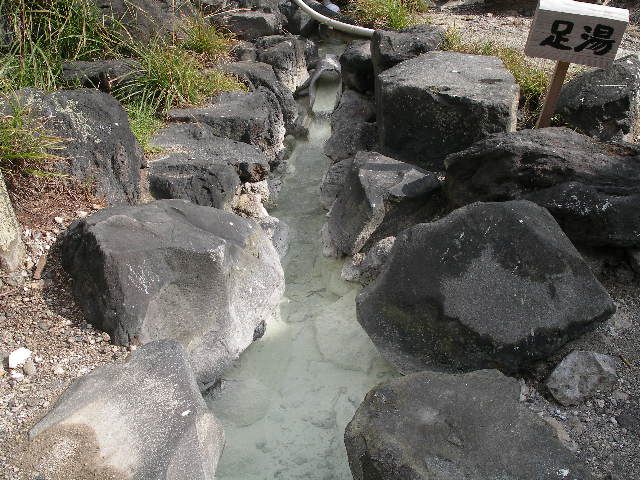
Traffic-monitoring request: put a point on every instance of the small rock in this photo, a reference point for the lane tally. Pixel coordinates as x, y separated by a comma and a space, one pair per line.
29, 368
580, 375
59, 220
58, 370
18, 357
17, 376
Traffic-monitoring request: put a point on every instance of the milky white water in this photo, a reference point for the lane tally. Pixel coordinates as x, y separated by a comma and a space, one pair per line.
286, 402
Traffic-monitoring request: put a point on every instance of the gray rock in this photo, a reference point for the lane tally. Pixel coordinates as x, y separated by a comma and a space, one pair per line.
97, 140
604, 103
388, 48
104, 75
257, 74
333, 181
429, 426
580, 375
286, 54
634, 259
145, 20
380, 197
592, 189
199, 180
278, 232
357, 66
244, 51
171, 269
505, 288
12, 251
301, 23
144, 418
254, 118
365, 268
442, 102
249, 25
201, 144
353, 127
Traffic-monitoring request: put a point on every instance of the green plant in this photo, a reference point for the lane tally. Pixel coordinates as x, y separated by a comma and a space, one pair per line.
203, 38
393, 14
26, 145
532, 79
169, 76
144, 122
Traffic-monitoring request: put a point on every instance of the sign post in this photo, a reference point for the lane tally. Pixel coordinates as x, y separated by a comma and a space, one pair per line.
573, 32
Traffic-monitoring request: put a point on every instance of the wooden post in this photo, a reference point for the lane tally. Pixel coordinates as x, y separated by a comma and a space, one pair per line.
551, 100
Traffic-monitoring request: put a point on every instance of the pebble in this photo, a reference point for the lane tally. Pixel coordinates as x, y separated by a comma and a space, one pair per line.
58, 370
18, 357
59, 220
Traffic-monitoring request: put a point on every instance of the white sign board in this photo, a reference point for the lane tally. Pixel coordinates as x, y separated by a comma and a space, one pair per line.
576, 32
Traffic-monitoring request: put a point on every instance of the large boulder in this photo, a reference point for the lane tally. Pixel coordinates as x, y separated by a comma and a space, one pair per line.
442, 102
491, 285
604, 103
388, 48
380, 197
193, 178
254, 118
258, 74
286, 54
364, 268
333, 181
171, 269
145, 418
592, 189
12, 250
249, 24
429, 426
201, 144
145, 20
353, 126
357, 66
97, 141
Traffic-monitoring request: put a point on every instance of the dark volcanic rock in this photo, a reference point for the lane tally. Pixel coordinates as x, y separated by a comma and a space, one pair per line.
199, 180
380, 197
333, 181
365, 268
442, 102
254, 118
97, 139
388, 48
244, 51
249, 25
144, 418
286, 54
171, 269
604, 103
429, 426
592, 189
357, 66
490, 285
200, 143
104, 75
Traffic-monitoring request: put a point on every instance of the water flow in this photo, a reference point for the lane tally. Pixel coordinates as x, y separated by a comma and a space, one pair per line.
286, 402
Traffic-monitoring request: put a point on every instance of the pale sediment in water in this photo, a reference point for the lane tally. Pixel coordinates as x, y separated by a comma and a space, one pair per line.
286, 402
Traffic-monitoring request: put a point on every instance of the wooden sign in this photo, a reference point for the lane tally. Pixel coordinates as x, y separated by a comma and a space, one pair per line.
577, 32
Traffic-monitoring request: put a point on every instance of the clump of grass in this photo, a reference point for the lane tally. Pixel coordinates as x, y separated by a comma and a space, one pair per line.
144, 122
26, 145
169, 77
390, 14
533, 80
205, 39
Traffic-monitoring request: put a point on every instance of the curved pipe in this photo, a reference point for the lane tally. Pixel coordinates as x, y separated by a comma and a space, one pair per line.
340, 26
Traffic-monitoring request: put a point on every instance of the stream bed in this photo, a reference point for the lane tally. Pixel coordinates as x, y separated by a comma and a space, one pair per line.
287, 400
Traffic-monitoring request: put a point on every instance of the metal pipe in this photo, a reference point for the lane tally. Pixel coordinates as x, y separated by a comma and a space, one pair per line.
340, 26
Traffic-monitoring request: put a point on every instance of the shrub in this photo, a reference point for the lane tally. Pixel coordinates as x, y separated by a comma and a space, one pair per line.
392, 14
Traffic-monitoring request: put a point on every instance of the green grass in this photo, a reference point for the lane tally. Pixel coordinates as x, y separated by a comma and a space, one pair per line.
26, 146
533, 80
144, 121
386, 14
205, 39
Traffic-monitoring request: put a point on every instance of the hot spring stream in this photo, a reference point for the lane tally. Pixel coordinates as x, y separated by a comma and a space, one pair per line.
286, 402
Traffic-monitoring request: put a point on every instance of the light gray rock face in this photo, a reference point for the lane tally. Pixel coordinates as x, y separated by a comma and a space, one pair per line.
97, 139
363, 268
171, 269
144, 418
12, 250
286, 54
491, 285
353, 127
380, 197
592, 189
254, 118
388, 48
200, 144
429, 426
258, 74
278, 232
199, 180
442, 102
249, 25
357, 66
604, 103
580, 375
333, 182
